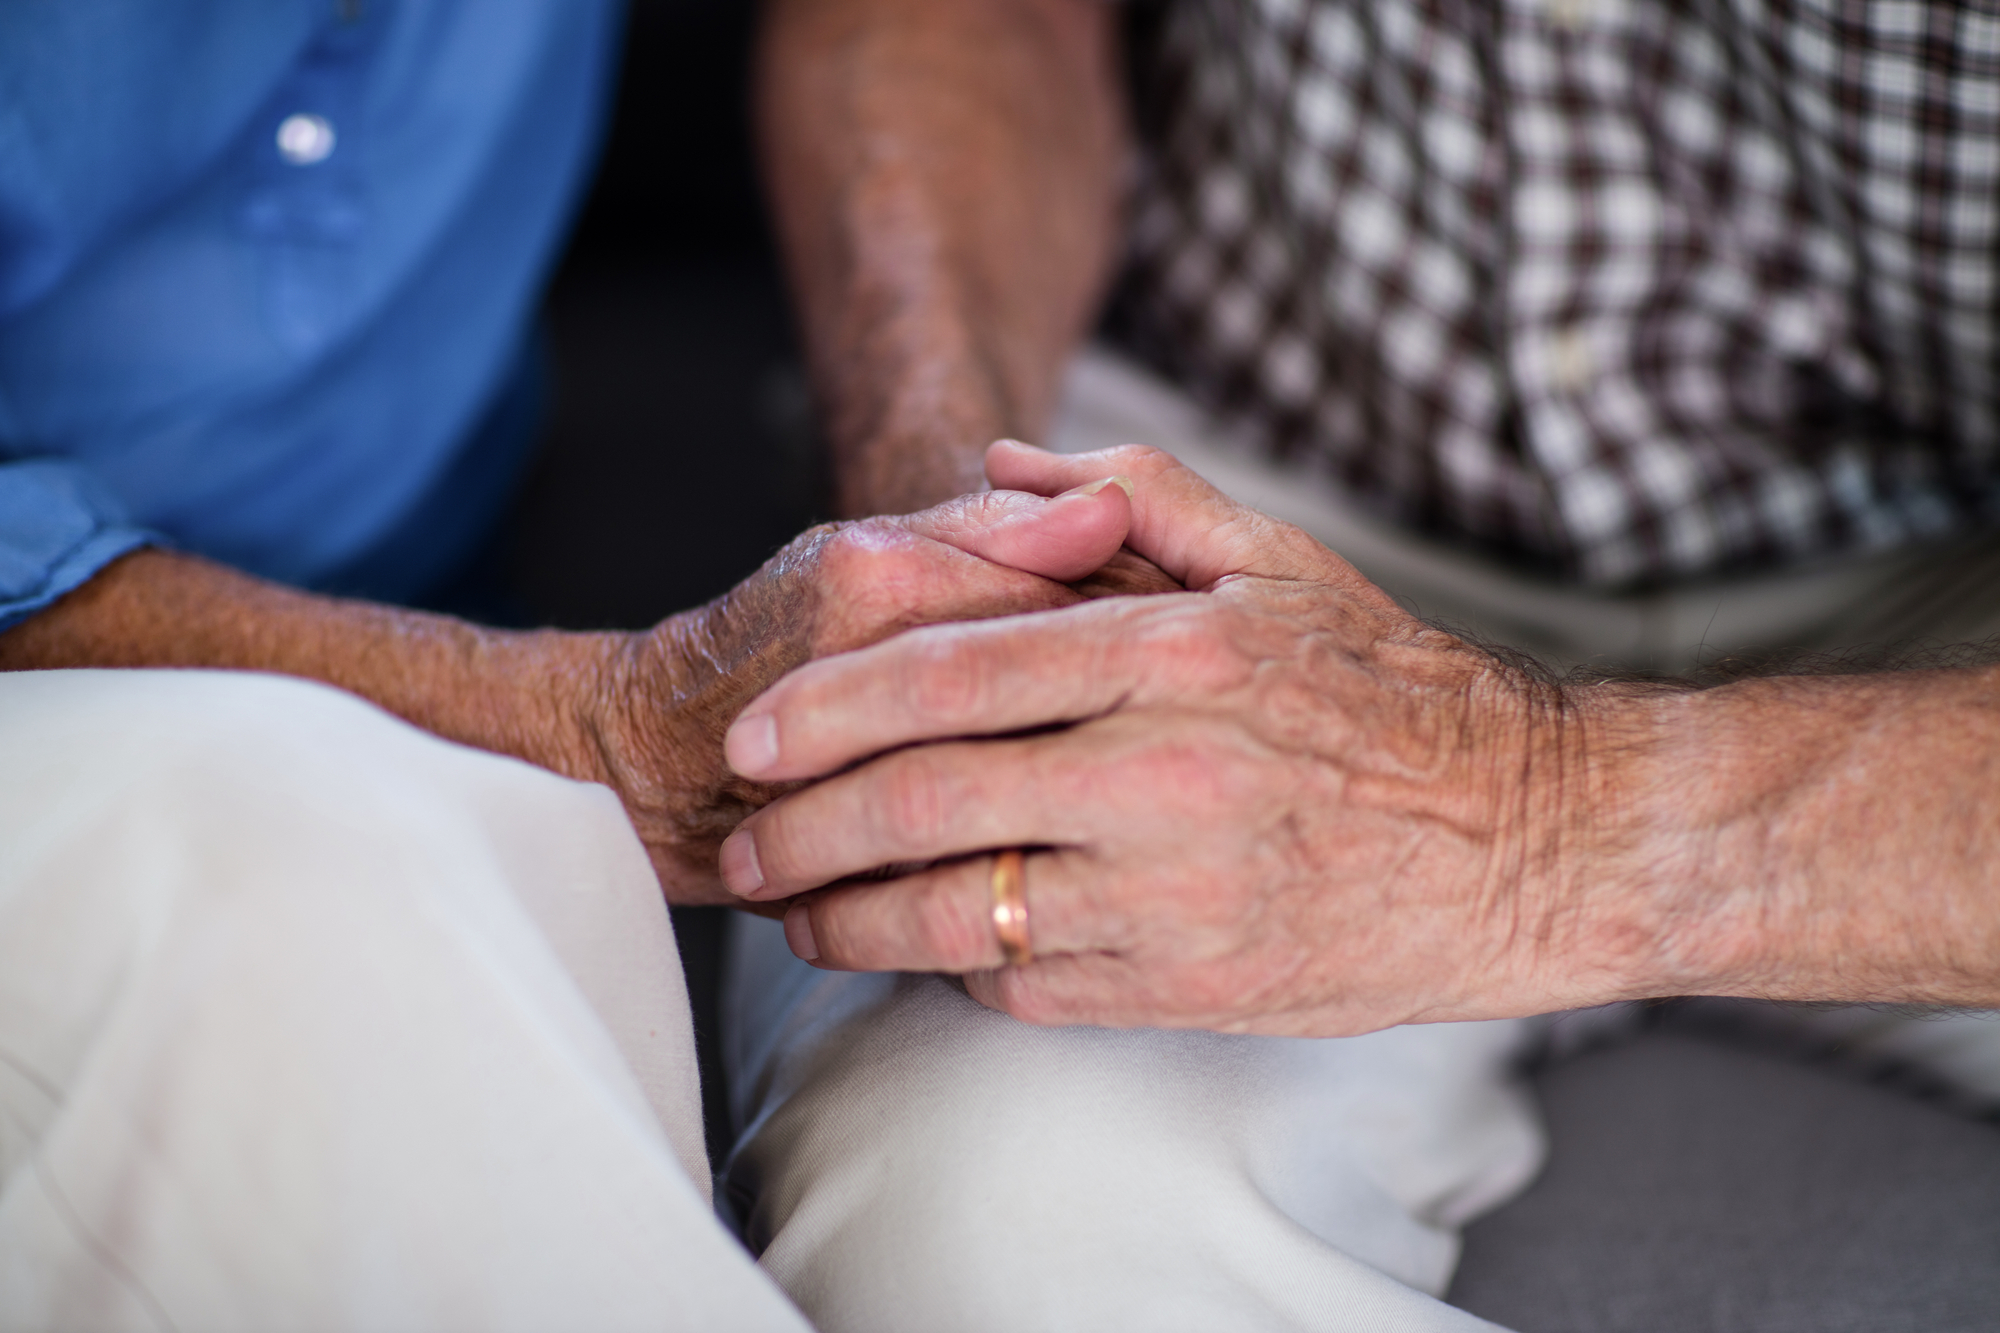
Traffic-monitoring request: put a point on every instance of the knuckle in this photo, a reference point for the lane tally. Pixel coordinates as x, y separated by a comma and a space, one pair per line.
949, 936
1143, 459
1194, 643
870, 551
941, 681
877, 579
911, 809
805, 559
841, 939
850, 554
784, 847
812, 544
843, 942
843, 579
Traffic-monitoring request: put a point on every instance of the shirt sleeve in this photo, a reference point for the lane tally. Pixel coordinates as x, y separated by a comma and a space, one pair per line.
58, 527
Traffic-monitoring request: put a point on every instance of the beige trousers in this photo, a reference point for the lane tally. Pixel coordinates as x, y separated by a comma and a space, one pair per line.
912, 1161
309, 1020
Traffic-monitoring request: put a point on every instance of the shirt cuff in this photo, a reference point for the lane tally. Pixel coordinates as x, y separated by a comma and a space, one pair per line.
58, 527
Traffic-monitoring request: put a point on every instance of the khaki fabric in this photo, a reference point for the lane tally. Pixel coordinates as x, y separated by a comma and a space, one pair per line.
311, 1020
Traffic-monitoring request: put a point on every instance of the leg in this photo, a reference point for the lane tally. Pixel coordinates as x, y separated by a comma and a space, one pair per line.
913, 1160
287, 1038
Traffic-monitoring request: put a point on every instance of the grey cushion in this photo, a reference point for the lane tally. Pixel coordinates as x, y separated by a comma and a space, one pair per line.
1696, 1188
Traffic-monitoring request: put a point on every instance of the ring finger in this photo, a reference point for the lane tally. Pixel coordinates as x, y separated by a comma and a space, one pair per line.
941, 919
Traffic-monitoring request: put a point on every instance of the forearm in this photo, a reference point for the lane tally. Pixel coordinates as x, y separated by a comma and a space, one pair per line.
1823, 838
945, 178
644, 712
500, 691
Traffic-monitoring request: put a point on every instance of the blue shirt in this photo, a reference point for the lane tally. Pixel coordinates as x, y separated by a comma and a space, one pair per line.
264, 263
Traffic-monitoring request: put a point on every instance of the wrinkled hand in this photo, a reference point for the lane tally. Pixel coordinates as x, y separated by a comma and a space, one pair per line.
655, 705
1276, 803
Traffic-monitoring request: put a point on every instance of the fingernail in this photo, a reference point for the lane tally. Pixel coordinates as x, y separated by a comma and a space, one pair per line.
799, 932
1092, 488
752, 744
740, 871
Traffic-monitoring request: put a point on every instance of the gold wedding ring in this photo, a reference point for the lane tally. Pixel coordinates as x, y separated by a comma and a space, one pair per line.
1010, 906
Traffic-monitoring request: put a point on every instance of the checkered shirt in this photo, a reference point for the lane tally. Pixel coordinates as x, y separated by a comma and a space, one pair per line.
1632, 290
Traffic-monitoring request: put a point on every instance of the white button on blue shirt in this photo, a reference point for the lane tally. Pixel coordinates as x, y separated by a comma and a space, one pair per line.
304, 139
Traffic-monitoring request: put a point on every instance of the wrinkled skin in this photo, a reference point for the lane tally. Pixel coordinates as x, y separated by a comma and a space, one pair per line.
644, 713
1275, 803
657, 704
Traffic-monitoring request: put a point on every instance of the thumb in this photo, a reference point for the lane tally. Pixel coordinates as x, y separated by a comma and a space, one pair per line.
1179, 522
1062, 538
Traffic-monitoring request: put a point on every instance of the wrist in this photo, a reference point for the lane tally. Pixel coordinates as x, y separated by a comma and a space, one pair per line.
631, 711
539, 696
1613, 850
1831, 838
1695, 848
909, 423
1731, 853
652, 717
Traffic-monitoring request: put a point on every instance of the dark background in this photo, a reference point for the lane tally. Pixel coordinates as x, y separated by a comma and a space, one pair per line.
680, 449
680, 452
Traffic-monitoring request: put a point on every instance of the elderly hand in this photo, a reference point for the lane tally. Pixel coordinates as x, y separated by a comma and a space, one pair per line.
654, 706
643, 713
1275, 803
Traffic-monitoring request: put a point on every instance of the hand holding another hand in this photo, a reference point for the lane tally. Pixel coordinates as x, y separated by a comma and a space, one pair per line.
1274, 803
652, 707
643, 713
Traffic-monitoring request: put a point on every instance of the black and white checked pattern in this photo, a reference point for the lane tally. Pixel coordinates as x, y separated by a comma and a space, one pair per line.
1636, 290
